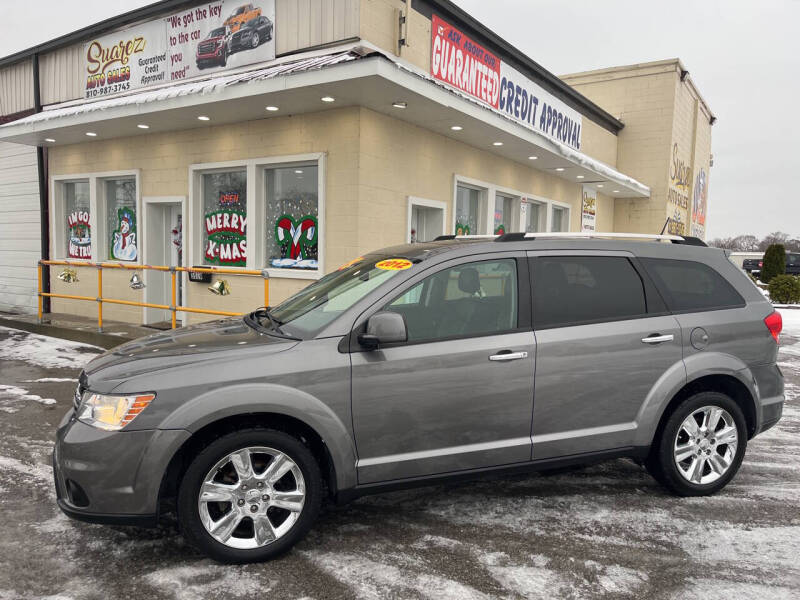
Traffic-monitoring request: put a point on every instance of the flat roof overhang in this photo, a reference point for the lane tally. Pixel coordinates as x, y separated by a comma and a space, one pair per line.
374, 81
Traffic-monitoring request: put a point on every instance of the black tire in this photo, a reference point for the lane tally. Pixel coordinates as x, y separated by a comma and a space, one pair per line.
661, 461
188, 511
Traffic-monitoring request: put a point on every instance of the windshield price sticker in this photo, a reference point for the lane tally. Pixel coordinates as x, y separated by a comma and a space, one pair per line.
394, 264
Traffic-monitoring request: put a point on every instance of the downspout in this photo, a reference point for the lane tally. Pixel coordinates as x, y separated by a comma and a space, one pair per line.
44, 201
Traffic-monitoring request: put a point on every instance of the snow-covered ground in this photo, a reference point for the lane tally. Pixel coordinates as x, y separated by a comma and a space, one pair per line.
604, 531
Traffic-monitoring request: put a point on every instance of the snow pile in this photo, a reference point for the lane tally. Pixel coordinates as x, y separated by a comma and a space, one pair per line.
44, 351
791, 321
18, 393
208, 580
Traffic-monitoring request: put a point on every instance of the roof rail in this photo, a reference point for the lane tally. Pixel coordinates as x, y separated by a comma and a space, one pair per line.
464, 237
675, 239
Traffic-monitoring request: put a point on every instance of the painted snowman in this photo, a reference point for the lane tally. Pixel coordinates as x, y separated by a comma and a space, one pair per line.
124, 241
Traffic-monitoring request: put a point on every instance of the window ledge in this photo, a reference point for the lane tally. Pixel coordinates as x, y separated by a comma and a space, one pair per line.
294, 274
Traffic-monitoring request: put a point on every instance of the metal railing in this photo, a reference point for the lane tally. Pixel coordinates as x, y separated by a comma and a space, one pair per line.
173, 307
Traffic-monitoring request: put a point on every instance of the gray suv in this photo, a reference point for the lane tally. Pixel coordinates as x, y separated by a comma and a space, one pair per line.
418, 363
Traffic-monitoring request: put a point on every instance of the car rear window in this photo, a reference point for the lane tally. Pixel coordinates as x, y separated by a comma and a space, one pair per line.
689, 286
574, 290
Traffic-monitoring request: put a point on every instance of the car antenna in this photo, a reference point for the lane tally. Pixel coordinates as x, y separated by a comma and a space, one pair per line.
664, 228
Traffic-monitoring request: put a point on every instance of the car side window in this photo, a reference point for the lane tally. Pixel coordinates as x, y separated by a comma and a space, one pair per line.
478, 298
574, 290
691, 286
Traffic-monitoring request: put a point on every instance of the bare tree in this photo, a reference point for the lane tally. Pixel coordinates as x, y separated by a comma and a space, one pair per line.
776, 237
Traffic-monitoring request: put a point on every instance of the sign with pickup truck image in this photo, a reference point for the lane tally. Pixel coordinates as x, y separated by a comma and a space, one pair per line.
220, 35
208, 38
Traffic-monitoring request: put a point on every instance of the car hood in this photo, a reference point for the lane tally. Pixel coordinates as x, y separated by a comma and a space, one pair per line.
226, 339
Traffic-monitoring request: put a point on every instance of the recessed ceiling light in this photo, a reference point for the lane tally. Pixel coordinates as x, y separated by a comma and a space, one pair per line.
456, 128
497, 143
328, 99
400, 104
599, 185
559, 169
51, 140
272, 108
579, 177
91, 133
533, 158
143, 126
203, 118
615, 192
299, 171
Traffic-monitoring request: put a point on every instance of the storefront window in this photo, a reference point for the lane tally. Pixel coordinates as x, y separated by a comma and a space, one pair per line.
77, 214
505, 211
560, 219
534, 217
292, 228
468, 211
225, 218
121, 219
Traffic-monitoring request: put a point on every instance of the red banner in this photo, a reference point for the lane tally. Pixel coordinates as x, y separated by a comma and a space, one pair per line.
463, 64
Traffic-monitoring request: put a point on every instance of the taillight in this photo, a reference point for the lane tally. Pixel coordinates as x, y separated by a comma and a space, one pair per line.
774, 323
761, 263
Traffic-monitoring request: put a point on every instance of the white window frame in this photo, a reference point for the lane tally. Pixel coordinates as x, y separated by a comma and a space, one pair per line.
256, 211
490, 195
424, 202
564, 205
543, 202
486, 198
97, 213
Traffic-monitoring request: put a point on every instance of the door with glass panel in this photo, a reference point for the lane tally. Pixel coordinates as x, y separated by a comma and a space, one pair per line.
458, 394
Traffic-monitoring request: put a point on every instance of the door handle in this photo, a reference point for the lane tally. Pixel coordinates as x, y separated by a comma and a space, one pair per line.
657, 339
509, 356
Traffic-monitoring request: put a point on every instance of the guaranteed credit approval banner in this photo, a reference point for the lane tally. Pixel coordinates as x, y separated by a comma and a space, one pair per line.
461, 63
458, 61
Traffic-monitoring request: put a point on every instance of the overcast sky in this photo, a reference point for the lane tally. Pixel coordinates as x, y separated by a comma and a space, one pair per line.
743, 56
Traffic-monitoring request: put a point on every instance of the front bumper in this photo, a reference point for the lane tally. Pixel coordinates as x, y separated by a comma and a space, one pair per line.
111, 476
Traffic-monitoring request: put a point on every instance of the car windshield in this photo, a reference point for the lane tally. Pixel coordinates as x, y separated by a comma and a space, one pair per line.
218, 32
313, 307
252, 22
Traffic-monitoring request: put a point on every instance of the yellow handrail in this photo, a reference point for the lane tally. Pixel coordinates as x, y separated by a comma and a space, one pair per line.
173, 307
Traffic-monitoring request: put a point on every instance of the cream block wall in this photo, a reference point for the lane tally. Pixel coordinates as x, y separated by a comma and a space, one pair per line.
400, 160
643, 97
164, 160
373, 163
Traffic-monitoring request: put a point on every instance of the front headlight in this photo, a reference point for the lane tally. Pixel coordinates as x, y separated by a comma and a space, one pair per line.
112, 413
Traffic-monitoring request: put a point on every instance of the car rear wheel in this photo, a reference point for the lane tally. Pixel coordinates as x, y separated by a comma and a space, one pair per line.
701, 446
255, 41
249, 496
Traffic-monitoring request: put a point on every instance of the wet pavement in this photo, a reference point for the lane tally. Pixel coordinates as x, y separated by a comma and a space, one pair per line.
601, 531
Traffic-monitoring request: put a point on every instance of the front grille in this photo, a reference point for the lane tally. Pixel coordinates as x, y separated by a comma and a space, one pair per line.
206, 47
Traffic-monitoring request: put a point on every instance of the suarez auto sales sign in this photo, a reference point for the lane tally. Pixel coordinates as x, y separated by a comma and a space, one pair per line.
206, 38
465, 65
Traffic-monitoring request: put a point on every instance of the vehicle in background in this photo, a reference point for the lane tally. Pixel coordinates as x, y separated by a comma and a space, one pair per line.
251, 35
213, 49
240, 16
754, 265
425, 362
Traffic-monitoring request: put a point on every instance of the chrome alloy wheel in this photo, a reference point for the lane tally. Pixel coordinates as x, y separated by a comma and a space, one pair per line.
251, 497
705, 445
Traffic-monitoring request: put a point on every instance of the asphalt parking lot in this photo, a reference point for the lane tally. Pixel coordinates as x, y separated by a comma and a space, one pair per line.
601, 531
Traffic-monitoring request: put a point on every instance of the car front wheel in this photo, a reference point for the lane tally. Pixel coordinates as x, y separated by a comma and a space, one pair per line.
249, 496
701, 446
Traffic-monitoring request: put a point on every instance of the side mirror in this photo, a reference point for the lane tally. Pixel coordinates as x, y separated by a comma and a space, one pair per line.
384, 327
